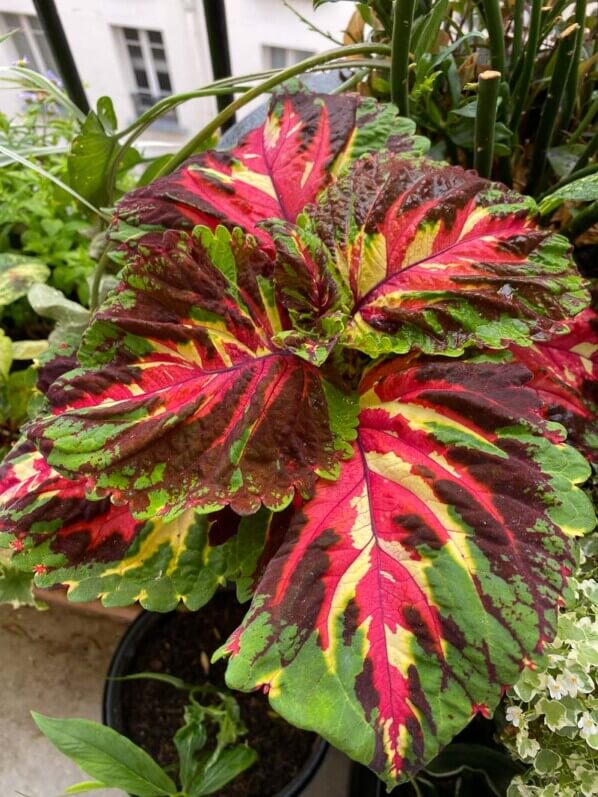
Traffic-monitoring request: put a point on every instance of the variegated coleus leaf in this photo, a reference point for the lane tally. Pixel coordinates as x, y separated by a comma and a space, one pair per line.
39, 504
276, 169
411, 591
426, 257
98, 550
565, 374
183, 399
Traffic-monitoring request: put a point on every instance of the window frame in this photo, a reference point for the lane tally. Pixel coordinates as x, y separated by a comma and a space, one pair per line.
169, 121
24, 24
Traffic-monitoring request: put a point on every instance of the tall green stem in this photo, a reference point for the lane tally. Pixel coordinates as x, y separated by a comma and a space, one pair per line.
285, 74
571, 92
585, 219
587, 119
485, 122
517, 33
98, 273
496, 33
522, 87
552, 103
401, 40
589, 152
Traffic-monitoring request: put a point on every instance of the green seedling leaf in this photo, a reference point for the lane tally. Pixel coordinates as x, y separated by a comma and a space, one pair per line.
230, 763
106, 755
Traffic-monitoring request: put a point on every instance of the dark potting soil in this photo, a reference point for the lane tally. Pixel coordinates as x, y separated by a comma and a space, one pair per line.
182, 645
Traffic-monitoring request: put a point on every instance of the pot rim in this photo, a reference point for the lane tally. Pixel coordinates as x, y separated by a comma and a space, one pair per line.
112, 713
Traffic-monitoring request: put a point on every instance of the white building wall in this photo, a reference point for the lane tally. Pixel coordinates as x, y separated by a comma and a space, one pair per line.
103, 64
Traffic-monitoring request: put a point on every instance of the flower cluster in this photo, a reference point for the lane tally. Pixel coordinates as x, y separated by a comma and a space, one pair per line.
552, 712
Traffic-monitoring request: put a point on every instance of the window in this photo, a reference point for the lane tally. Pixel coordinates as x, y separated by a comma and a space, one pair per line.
149, 68
30, 41
281, 57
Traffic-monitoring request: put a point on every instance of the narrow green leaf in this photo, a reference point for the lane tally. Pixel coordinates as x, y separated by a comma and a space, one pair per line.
38, 169
424, 37
107, 756
86, 785
583, 190
189, 741
230, 763
171, 680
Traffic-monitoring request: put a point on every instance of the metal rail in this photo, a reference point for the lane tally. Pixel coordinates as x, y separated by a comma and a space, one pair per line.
52, 26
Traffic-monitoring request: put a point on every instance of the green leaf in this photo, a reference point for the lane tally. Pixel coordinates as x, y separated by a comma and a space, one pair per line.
49, 176
88, 163
583, 190
153, 168
16, 587
6, 354
230, 763
555, 713
26, 349
497, 768
547, 761
106, 755
189, 740
17, 274
106, 115
426, 33
84, 786
171, 680
51, 303
563, 159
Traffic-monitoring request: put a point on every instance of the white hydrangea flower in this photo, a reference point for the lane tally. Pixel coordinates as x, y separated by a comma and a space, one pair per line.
587, 726
514, 715
556, 687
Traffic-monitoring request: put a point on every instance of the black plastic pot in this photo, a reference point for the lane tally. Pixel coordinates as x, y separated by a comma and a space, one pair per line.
121, 664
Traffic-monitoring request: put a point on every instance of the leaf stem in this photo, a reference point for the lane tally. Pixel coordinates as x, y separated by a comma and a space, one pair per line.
545, 133
587, 119
496, 34
401, 40
522, 86
285, 74
589, 152
582, 221
350, 82
485, 122
98, 273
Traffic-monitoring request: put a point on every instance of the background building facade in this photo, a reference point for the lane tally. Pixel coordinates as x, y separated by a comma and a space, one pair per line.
137, 51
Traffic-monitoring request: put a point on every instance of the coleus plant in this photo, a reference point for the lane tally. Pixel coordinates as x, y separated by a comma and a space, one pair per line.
342, 375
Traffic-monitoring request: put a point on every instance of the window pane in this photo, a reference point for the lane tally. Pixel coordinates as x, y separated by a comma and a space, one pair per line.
135, 51
141, 79
44, 48
23, 49
11, 20
131, 34
164, 81
277, 57
155, 36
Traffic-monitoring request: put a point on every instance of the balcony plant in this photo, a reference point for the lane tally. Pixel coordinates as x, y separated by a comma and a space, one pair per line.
367, 356
370, 364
